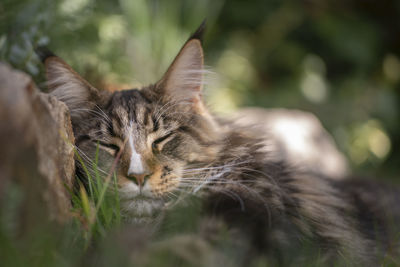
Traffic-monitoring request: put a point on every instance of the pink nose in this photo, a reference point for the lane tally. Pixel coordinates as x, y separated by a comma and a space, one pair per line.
139, 179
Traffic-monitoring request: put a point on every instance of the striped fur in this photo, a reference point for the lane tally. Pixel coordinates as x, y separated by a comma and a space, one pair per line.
183, 149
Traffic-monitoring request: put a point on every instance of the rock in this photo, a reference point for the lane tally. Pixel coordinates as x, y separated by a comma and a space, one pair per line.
36, 149
297, 137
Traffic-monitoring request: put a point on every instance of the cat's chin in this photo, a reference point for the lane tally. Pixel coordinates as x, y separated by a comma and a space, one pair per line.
139, 220
141, 209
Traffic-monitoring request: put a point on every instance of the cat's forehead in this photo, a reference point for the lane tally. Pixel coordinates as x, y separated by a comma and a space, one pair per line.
129, 109
129, 99
128, 103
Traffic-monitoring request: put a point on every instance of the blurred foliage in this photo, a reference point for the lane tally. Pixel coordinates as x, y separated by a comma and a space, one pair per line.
337, 59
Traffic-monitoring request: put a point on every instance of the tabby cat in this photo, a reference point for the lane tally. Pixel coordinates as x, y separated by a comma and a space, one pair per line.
162, 141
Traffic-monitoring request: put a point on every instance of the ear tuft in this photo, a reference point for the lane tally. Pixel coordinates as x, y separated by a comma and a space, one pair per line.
199, 33
43, 53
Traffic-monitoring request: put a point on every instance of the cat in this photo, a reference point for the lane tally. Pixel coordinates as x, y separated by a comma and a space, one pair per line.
161, 140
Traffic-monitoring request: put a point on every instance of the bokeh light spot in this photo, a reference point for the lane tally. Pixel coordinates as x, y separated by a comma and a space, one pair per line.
70, 7
314, 87
379, 143
112, 28
235, 66
391, 67
313, 84
370, 143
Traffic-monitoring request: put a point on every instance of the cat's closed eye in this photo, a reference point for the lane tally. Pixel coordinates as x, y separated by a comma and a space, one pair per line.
109, 147
158, 144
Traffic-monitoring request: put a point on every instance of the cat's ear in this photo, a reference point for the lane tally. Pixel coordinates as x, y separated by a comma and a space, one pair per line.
67, 85
183, 80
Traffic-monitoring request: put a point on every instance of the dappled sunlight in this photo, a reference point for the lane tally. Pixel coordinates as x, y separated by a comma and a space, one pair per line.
391, 67
235, 67
112, 28
295, 135
71, 7
379, 143
314, 87
313, 84
370, 142
223, 100
235, 72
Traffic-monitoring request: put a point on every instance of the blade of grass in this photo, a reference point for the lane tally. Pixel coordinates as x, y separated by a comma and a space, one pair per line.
99, 187
100, 198
85, 202
85, 170
117, 204
108, 178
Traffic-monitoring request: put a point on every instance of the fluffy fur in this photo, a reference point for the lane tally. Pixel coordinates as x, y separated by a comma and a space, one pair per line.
184, 150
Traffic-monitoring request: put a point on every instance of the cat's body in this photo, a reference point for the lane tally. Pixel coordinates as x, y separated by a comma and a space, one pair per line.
280, 207
162, 141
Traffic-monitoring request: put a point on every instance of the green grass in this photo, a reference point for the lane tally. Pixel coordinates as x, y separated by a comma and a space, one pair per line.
99, 207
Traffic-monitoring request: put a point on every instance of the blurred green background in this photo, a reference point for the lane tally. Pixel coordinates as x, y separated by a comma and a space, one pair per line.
337, 59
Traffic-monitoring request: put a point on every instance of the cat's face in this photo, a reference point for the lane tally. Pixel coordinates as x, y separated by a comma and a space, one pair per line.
155, 143
149, 137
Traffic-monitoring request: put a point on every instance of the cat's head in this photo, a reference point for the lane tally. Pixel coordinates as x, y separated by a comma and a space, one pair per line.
152, 134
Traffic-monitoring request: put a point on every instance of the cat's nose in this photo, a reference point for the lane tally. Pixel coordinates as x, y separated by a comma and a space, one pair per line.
139, 179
